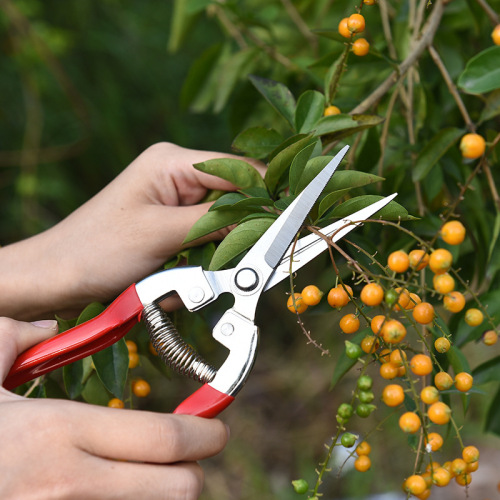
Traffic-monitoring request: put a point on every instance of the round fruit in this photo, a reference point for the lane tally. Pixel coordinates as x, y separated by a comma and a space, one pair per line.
141, 388
343, 29
470, 454
463, 381
453, 232
472, 467
393, 331
393, 395
443, 381
299, 307
349, 323
398, 357
364, 410
418, 259
495, 34
473, 317
348, 440
152, 349
398, 261
423, 313
311, 295
440, 261
376, 324
331, 110
472, 146
442, 345
434, 441
439, 413
361, 47
366, 396
345, 410
403, 299
353, 350
133, 360
410, 422
490, 337
421, 364
363, 448
454, 302
443, 283
415, 484
364, 383
370, 344
362, 463
458, 466
131, 346
429, 395
388, 371
372, 294
441, 477
338, 297
372, 2
356, 23
116, 403
300, 486
463, 479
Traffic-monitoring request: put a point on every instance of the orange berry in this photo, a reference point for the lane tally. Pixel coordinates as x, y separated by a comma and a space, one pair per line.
441, 477
384, 355
141, 388
331, 110
453, 232
372, 294
370, 344
440, 261
495, 34
398, 261
425, 495
349, 323
442, 345
362, 463
403, 299
490, 337
131, 346
434, 441
454, 302
376, 324
133, 360
409, 422
472, 146
311, 295
470, 454
338, 297
356, 23
116, 403
299, 307
472, 467
152, 349
443, 283
343, 29
439, 413
463, 479
393, 331
371, 2
361, 47
397, 357
388, 371
418, 259
473, 317
423, 313
429, 395
463, 381
393, 395
458, 466
443, 381
421, 364
363, 448
415, 484
414, 301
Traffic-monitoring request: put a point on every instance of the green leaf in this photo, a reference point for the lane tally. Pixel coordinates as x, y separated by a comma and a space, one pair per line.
457, 360
345, 363
482, 72
310, 108
278, 95
201, 255
492, 423
434, 150
94, 392
332, 78
237, 201
279, 164
182, 20
73, 379
392, 211
492, 106
487, 372
91, 311
337, 127
494, 236
257, 142
298, 165
238, 240
238, 172
213, 221
111, 365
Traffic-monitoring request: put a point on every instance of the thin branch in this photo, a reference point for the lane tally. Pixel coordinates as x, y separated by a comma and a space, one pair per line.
494, 18
386, 26
302, 26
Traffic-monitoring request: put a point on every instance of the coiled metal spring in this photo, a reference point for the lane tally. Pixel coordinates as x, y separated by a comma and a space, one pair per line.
172, 349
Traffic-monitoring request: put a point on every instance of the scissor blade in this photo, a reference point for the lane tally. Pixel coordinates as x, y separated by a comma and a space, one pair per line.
310, 246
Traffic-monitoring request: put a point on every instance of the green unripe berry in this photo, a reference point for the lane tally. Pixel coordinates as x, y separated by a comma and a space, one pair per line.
365, 383
391, 296
352, 350
363, 410
348, 440
345, 411
366, 396
300, 486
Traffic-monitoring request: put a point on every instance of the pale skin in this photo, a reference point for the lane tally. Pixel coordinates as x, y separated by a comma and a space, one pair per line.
59, 449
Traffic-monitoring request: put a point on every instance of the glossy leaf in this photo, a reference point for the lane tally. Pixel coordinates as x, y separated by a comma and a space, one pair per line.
310, 108
298, 165
482, 72
201, 255
487, 372
434, 150
332, 78
257, 142
94, 391
339, 126
238, 172
73, 379
237, 201
111, 365
238, 240
278, 95
392, 211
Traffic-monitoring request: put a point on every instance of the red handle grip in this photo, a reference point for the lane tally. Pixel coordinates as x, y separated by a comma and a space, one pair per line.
78, 342
205, 402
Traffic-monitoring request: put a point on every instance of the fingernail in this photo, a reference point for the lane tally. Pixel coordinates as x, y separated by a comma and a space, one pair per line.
50, 324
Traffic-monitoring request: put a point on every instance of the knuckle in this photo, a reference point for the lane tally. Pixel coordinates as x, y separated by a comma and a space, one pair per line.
190, 482
169, 438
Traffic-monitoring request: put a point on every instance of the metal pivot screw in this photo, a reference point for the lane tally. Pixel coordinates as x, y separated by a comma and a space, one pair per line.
196, 294
227, 329
247, 279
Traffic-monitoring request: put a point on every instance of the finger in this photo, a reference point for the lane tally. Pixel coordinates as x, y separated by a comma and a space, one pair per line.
17, 336
146, 436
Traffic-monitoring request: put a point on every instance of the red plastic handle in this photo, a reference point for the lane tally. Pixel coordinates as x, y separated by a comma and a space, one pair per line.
78, 342
205, 402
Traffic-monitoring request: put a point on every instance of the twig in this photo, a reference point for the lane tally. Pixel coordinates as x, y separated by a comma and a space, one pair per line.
386, 26
301, 24
494, 18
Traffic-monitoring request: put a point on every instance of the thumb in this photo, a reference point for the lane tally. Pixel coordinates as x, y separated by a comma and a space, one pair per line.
17, 336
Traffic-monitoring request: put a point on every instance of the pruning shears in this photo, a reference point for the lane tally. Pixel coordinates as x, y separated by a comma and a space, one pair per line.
266, 264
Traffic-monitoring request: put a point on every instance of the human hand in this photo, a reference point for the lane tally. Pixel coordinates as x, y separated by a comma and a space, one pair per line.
65, 449
124, 233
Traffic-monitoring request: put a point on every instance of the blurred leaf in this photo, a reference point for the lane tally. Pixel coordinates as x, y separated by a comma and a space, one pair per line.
278, 95
201, 255
492, 423
111, 365
332, 78
434, 150
298, 165
257, 142
310, 108
487, 372
392, 211
279, 164
482, 72
213, 221
183, 17
238, 172
370, 151
494, 236
457, 360
238, 240
94, 392
73, 379
492, 106
336, 127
